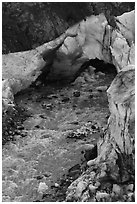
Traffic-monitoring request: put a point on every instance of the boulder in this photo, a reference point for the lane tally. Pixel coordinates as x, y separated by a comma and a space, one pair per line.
123, 41
91, 41
21, 69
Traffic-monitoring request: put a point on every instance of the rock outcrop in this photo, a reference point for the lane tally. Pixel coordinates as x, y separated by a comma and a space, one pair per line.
114, 167
113, 171
123, 41
63, 57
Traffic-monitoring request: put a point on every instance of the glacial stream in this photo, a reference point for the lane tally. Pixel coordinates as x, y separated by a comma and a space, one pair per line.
49, 149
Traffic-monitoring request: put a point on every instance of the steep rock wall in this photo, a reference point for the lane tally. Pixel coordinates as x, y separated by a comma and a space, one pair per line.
62, 58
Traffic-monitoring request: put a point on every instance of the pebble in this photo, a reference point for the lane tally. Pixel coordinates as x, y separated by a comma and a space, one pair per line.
116, 189
49, 106
79, 80
88, 78
42, 187
130, 187
102, 174
130, 197
80, 188
91, 70
52, 96
92, 188
101, 88
101, 73
97, 184
100, 195
76, 94
6, 198
92, 175
88, 146
56, 185
91, 162
20, 127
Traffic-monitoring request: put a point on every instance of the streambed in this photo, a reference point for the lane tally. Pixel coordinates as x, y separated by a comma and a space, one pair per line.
46, 148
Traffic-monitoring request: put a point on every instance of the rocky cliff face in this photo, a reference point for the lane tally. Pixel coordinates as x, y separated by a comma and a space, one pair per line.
28, 25
63, 57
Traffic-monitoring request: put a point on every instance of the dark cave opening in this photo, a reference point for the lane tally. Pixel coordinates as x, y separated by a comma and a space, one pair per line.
100, 65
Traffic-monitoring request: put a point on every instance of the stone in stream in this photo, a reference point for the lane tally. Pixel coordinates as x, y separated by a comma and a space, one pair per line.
116, 189
130, 187
92, 188
100, 73
42, 188
51, 96
131, 197
79, 80
88, 78
101, 88
47, 106
56, 185
91, 70
102, 195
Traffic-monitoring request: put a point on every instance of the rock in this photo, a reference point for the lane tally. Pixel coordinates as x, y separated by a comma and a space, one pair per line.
79, 80
47, 106
126, 27
66, 54
85, 196
123, 42
97, 184
100, 73
102, 174
88, 147
91, 162
92, 174
80, 188
76, 94
42, 188
88, 78
52, 96
130, 187
122, 90
100, 196
116, 189
91, 70
56, 185
101, 88
131, 197
92, 188
6, 198
82, 47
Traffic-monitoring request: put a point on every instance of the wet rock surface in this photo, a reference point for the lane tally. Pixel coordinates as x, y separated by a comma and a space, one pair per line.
40, 164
